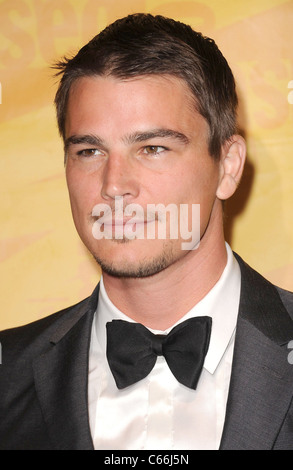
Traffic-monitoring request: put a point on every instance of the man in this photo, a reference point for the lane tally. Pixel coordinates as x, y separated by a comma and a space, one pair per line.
147, 111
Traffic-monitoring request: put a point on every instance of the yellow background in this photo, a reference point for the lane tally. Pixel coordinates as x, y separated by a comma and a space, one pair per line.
43, 264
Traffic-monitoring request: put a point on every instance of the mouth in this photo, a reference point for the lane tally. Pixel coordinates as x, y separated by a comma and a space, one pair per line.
125, 227
121, 222
120, 228
115, 223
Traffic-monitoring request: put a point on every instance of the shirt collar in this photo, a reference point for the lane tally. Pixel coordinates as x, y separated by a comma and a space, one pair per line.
221, 304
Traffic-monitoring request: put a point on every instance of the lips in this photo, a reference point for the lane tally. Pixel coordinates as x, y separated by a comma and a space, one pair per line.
132, 222
113, 222
120, 229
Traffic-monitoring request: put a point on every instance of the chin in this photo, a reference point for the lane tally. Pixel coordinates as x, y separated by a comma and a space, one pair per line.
132, 265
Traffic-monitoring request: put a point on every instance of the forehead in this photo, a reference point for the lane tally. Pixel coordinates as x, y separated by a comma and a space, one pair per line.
142, 83
107, 102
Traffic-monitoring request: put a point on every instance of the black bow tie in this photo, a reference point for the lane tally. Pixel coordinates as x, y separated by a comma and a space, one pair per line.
132, 350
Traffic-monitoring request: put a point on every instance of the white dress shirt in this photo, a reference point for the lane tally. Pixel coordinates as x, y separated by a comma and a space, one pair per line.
158, 412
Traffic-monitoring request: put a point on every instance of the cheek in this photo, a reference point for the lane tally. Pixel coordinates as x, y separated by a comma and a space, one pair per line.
81, 193
199, 187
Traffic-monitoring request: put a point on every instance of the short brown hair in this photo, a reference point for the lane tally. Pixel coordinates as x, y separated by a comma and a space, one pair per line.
142, 44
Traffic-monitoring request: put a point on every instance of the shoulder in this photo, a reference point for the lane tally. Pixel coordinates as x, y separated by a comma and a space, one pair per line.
266, 306
48, 324
34, 338
255, 279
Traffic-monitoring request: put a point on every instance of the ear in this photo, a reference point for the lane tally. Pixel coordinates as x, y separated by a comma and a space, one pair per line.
231, 166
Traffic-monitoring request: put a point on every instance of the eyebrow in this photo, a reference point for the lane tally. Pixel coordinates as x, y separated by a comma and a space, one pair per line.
154, 133
89, 139
96, 141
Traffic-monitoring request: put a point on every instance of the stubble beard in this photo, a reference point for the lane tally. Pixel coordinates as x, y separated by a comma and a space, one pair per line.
144, 268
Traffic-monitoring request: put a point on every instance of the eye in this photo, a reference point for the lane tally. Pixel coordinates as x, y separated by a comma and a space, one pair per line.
89, 153
153, 149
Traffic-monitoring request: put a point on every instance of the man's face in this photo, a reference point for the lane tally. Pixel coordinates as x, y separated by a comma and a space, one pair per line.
142, 142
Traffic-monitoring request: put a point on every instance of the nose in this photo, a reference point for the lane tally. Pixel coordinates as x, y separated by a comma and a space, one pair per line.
119, 179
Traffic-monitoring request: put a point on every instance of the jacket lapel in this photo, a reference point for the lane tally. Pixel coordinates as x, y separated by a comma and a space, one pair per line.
261, 382
61, 379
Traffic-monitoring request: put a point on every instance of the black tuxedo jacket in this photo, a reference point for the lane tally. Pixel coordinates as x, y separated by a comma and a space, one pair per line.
44, 375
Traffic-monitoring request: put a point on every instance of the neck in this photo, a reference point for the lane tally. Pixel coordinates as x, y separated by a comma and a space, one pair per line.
161, 300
